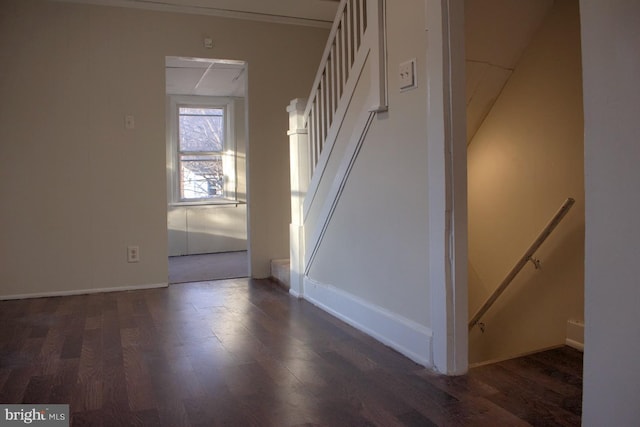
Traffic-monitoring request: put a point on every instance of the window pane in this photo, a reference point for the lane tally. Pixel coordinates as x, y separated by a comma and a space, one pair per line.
201, 129
201, 177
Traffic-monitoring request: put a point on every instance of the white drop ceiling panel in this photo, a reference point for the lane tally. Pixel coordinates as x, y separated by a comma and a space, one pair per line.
193, 76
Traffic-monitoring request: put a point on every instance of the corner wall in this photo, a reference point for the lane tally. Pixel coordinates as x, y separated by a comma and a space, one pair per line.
524, 161
76, 187
611, 66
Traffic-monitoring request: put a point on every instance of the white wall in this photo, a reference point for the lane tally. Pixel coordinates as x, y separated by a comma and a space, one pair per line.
207, 229
375, 248
524, 161
611, 66
76, 187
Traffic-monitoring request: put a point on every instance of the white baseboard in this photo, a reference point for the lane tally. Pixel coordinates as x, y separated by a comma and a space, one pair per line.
575, 344
407, 337
83, 291
515, 356
294, 293
575, 334
280, 271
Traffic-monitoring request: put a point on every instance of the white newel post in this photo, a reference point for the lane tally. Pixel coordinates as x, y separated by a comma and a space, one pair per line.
300, 176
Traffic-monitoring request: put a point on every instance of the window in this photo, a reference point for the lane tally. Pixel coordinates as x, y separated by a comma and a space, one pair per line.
201, 142
202, 150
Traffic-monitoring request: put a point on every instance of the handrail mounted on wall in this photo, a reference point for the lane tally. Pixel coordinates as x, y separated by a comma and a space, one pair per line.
528, 256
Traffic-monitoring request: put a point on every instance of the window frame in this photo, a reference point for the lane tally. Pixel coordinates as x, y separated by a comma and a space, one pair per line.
229, 153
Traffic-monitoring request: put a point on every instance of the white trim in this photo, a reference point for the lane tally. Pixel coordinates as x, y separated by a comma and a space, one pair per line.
575, 334
446, 191
227, 103
406, 336
438, 225
515, 356
457, 176
208, 11
221, 202
380, 76
83, 291
295, 294
575, 344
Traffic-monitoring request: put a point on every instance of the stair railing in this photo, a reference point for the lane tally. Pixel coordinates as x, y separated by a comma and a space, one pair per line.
527, 257
357, 22
357, 38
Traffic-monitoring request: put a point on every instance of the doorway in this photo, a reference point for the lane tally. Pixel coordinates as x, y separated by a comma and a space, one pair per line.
206, 169
524, 159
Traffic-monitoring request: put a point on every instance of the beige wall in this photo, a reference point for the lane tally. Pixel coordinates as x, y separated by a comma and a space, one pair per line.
611, 66
524, 161
76, 187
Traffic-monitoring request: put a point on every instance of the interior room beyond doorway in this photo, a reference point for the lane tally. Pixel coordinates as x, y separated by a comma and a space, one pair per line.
206, 168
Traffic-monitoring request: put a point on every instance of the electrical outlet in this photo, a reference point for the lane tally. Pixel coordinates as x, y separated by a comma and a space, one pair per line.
407, 75
133, 254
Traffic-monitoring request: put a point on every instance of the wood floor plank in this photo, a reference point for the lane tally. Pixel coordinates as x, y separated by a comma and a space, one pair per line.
114, 389
64, 381
243, 352
538, 372
172, 413
15, 385
529, 401
38, 389
88, 419
49, 356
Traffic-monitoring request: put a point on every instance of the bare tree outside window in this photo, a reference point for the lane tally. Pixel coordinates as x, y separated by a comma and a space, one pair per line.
201, 149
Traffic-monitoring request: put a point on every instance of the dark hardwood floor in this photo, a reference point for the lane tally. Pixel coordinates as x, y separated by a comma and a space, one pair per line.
244, 353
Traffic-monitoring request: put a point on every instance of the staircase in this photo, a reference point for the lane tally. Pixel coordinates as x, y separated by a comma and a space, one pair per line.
354, 57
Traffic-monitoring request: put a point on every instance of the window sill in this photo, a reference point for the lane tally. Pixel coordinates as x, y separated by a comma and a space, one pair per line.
219, 202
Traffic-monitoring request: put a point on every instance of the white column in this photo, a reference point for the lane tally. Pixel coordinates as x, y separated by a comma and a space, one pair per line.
300, 176
447, 194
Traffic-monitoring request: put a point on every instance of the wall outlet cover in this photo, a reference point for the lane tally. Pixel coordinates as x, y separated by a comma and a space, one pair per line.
133, 254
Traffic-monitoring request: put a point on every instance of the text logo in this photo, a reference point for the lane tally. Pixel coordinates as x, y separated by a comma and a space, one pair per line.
37, 415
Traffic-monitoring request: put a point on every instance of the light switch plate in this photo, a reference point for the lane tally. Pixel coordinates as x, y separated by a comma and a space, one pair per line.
129, 122
407, 75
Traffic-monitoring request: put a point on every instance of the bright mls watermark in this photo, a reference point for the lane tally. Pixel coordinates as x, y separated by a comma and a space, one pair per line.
36, 415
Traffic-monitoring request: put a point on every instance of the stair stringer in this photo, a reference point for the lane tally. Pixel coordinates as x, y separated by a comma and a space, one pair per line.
337, 187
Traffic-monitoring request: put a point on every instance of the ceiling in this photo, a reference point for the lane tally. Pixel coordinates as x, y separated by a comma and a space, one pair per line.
496, 34
300, 12
205, 77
